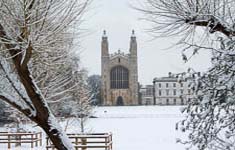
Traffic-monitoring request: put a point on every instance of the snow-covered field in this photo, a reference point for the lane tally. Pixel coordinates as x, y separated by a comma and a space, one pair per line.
140, 128
137, 127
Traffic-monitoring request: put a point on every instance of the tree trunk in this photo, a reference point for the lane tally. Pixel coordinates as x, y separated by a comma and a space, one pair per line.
56, 135
44, 117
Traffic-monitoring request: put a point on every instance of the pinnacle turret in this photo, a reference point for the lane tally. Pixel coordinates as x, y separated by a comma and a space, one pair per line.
104, 44
133, 44
104, 34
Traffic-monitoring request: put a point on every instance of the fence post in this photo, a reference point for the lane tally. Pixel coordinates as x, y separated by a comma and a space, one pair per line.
106, 144
109, 141
47, 141
40, 138
31, 140
36, 139
76, 143
84, 143
9, 141
20, 140
111, 135
17, 138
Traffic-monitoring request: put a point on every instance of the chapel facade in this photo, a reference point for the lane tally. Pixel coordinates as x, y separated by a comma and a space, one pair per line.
119, 74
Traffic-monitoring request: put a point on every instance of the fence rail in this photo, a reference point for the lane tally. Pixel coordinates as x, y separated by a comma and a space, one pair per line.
87, 141
35, 139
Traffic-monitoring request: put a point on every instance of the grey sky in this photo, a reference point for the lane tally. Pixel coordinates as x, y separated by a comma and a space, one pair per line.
118, 19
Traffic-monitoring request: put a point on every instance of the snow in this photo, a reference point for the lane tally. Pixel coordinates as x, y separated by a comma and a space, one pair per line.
136, 127
56, 126
139, 128
11, 82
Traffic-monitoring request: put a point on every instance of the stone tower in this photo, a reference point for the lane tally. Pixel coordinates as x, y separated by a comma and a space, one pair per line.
119, 74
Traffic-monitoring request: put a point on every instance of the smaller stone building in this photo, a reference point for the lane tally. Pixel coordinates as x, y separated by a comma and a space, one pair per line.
169, 91
146, 95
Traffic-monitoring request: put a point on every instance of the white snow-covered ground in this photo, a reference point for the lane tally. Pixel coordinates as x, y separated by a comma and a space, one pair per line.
136, 127
141, 127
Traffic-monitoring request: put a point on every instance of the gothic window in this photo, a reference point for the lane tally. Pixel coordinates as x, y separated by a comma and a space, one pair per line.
167, 85
119, 77
174, 84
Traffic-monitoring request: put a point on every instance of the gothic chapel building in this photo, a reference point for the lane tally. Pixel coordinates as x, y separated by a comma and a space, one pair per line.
119, 74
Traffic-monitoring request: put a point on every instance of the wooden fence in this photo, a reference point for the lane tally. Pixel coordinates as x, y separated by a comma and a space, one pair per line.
35, 139
87, 141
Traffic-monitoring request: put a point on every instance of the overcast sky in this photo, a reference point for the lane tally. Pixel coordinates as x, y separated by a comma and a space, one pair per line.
118, 19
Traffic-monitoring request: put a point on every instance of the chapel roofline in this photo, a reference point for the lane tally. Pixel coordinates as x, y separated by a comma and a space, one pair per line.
119, 54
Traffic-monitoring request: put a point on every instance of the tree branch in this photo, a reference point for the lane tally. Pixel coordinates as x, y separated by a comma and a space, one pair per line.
22, 96
27, 112
213, 24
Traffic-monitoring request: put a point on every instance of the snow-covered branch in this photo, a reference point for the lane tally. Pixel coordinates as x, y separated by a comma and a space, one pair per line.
210, 115
35, 43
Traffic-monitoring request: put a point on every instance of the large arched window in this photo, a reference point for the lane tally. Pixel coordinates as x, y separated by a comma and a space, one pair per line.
119, 77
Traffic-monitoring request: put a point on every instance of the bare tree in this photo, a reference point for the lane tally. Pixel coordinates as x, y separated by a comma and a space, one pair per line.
82, 96
29, 30
211, 113
94, 82
83, 109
